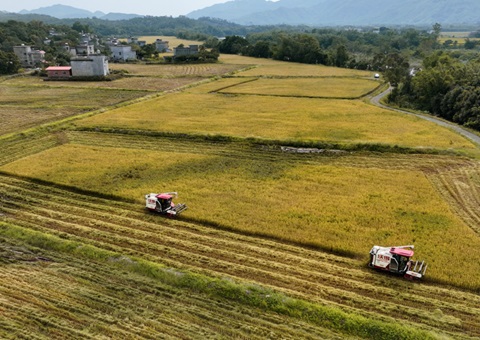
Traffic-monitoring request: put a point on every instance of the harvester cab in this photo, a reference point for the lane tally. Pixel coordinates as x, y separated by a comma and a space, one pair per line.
162, 203
397, 260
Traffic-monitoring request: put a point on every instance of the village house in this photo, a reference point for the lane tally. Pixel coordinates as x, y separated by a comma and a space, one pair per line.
161, 45
90, 66
182, 50
59, 72
123, 53
85, 49
135, 41
29, 57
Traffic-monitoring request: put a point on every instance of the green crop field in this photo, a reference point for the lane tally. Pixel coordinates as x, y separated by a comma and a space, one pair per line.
286, 195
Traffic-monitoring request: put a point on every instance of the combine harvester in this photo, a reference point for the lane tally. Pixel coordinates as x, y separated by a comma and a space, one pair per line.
397, 260
162, 204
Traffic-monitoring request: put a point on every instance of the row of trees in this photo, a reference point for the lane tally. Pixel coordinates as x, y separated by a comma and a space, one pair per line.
342, 48
445, 87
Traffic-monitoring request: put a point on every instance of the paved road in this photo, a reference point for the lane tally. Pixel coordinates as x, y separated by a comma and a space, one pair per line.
473, 137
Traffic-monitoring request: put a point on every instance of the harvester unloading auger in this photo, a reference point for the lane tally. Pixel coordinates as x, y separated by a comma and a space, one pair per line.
397, 260
162, 203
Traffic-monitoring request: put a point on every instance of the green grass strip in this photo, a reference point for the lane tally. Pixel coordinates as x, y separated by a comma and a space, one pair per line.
244, 293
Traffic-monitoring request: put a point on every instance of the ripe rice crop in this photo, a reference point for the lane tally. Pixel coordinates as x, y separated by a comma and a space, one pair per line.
341, 208
298, 119
272, 68
307, 87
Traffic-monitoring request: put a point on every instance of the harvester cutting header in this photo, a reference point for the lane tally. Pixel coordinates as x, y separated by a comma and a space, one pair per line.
162, 204
397, 260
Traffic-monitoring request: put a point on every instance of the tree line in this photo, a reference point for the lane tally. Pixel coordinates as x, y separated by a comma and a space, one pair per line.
350, 48
445, 87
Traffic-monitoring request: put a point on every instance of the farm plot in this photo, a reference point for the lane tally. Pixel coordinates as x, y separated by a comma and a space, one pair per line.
58, 295
279, 118
143, 83
345, 209
306, 274
25, 106
306, 87
274, 68
177, 71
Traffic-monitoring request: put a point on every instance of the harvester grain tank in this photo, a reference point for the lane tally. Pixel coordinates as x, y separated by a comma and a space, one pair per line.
162, 204
397, 260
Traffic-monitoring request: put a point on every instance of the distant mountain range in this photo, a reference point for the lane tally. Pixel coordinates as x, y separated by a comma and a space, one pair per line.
345, 12
67, 12
309, 12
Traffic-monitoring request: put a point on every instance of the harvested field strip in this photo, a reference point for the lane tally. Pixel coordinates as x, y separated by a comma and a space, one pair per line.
461, 187
427, 163
19, 147
176, 71
303, 273
150, 249
84, 298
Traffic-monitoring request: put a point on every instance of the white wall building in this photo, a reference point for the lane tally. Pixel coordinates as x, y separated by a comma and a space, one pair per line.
27, 56
90, 66
123, 53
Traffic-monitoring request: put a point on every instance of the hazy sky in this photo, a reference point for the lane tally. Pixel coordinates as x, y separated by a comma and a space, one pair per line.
144, 7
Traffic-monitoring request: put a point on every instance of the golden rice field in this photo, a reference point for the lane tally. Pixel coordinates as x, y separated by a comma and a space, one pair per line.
115, 238
272, 68
342, 208
275, 241
300, 119
306, 87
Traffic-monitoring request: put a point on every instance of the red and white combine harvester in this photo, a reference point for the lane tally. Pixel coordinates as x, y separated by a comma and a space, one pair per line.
162, 203
397, 260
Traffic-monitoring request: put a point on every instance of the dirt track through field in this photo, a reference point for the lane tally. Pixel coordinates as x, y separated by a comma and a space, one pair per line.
304, 273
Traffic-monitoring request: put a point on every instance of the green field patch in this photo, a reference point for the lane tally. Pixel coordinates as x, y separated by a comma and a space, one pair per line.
307, 87
279, 118
341, 208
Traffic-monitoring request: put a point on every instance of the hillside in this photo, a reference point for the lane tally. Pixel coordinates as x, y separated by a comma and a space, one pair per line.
348, 12
68, 12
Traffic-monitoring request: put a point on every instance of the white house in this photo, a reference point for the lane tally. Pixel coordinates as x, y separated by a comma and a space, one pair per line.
123, 53
27, 56
90, 66
161, 45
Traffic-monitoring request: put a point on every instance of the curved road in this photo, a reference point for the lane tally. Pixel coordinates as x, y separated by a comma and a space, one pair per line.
471, 136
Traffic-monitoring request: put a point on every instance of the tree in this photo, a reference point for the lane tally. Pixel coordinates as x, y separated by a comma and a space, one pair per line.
396, 68
232, 45
9, 63
341, 56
